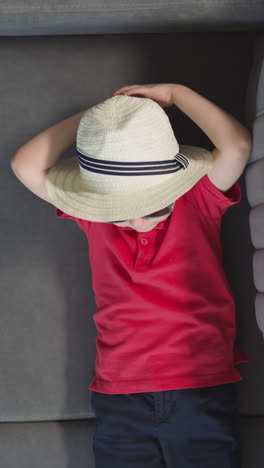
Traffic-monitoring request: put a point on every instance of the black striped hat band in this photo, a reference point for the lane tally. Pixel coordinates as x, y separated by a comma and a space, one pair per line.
102, 166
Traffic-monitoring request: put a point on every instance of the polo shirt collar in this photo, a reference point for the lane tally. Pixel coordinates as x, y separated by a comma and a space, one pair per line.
160, 225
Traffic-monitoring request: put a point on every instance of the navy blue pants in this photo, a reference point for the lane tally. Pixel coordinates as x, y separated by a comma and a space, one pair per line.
183, 428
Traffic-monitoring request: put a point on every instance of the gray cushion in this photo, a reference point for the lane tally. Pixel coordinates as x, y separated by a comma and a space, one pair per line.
47, 337
19, 18
254, 176
69, 444
47, 444
47, 334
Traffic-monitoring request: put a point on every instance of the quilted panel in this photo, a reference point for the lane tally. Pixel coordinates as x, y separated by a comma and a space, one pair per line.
254, 173
254, 177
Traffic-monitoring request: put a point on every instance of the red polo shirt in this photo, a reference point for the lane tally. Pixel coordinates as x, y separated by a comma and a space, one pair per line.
165, 312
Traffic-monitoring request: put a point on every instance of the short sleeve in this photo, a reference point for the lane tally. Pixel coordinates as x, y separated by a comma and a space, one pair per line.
211, 202
82, 223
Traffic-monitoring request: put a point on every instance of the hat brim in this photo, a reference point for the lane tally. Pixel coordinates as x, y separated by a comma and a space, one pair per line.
64, 189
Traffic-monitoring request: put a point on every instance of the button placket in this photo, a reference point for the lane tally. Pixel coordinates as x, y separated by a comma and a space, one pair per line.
141, 260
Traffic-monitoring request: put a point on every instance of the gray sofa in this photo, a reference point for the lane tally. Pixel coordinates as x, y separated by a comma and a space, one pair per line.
58, 58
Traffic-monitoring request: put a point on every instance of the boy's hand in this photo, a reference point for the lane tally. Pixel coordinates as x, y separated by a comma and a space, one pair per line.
162, 93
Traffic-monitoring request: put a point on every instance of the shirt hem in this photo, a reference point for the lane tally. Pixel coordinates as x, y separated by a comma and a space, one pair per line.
155, 385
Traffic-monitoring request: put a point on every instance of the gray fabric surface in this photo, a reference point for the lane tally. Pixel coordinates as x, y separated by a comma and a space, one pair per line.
68, 444
47, 337
38, 18
47, 444
47, 334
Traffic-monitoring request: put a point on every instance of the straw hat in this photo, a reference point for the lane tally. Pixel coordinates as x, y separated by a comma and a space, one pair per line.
128, 163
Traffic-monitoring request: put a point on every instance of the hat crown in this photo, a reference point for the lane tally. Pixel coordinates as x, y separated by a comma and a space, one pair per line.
125, 129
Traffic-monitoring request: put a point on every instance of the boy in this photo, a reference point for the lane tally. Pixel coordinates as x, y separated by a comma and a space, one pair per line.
151, 210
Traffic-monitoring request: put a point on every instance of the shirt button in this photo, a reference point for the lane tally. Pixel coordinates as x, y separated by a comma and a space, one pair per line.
144, 241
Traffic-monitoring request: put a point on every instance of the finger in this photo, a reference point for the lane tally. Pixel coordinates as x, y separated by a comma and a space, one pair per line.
125, 88
137, 91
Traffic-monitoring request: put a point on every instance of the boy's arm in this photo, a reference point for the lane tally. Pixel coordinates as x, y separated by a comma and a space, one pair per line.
231, 138
42, 152
31, 162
